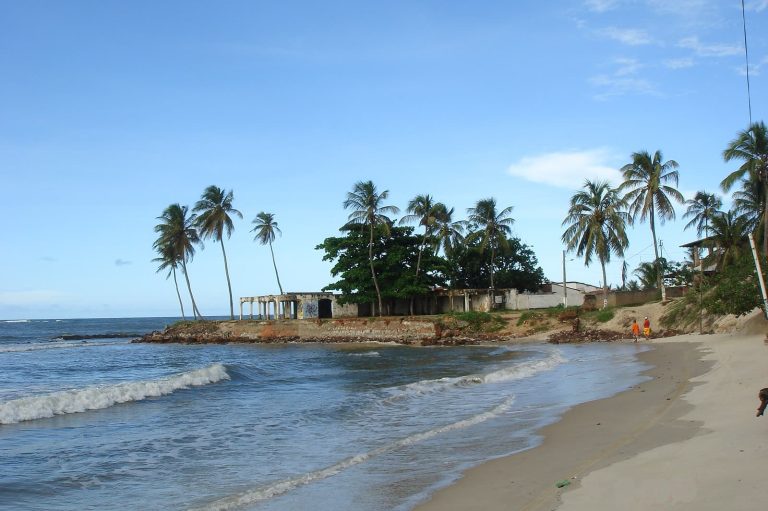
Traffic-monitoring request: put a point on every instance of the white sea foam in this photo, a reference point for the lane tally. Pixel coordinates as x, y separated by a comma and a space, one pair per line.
16, 348
516, 371
16, 321
256, 495
104, 396
365, 354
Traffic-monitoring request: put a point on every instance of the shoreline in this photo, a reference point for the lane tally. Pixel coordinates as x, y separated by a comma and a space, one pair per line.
589, 437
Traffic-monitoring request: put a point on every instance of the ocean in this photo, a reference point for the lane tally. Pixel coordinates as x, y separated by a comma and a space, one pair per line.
101, 423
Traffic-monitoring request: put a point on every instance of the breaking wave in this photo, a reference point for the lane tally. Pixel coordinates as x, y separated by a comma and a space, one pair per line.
254, 496
104, 396
19, 348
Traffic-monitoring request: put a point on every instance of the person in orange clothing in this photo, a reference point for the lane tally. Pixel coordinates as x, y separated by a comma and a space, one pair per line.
647, 328
635, 329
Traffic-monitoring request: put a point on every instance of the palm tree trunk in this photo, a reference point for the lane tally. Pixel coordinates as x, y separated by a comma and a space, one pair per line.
605, 284
275, 265
418, 263
176, 283
764, 171
195, 310
493, 259
229, 284
373, 272
652, 222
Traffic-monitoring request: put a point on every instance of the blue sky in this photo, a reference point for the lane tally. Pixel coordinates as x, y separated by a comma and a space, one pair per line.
113, 110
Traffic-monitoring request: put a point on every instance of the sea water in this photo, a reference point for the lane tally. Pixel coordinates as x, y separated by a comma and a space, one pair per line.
102, 423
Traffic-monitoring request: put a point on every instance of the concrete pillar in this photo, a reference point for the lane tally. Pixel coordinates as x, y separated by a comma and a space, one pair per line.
466, 302
277, 309
241, 309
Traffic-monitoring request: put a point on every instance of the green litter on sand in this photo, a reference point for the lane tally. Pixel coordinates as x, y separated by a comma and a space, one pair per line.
563, 483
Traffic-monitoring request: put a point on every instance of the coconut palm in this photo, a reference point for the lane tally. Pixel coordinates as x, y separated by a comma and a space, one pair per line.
495, 226
266, 229
647, 193
169, 260
421, 210
178, 237
369, 212
596, 225
751, 147
748, 202
729, 233
215, 208
700, 210
448, 233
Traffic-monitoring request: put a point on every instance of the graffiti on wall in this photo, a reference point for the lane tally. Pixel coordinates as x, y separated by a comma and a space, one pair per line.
310, 309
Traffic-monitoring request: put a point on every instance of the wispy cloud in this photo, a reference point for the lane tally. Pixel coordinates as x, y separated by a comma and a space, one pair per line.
679, 63
628, 36
623, 80
601, 5
709, 50
567, 169
756, 5
41, 297
754, 69
121, 262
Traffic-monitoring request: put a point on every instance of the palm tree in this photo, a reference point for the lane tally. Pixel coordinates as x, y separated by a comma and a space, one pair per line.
369, 211
701, 209
751, 147
169, 260
495, 226
265, 230
448, 233
596, 225
748, 202
648, 194
215, 207
648, 274
178, 236
421, 209
729, 231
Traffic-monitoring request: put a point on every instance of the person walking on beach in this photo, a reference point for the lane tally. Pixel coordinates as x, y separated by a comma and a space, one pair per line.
647, 328
635, 329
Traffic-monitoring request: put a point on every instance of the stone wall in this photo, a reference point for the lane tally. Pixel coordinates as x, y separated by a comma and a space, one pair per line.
330, 329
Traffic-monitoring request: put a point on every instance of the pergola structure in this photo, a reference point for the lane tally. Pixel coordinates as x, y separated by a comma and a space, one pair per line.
289, 306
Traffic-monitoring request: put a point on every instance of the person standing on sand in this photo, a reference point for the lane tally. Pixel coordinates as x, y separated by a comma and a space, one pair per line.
635, 329
647, 328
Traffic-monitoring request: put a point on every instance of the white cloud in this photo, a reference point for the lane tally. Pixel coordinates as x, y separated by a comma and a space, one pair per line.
756, 5
623, 80
710, 50
628, 36
567, 169
754, 69
601, 5
42, 297
627, 67
679, 63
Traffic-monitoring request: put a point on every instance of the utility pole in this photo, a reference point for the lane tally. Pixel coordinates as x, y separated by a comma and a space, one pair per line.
759, 273
565, 288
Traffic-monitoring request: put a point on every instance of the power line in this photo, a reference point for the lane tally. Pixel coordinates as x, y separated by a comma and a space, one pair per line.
746, 57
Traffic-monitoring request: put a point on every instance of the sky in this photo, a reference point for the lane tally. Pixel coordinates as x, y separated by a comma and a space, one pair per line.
111, 110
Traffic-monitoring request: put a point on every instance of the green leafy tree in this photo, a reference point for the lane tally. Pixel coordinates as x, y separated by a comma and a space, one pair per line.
649, 192
214, 221
266, 230
494, 227
751, 147
448, 233
596, 225
177, 237
368, 213
734, 290
700, 210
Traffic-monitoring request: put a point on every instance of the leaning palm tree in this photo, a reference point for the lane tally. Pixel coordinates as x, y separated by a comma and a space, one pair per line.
215, 208
266, 229
596, 225
178, 236
648, 194
700, 210
169, 260
494, 227
448, 233
748, 202
369, 212
730, 232
751, 147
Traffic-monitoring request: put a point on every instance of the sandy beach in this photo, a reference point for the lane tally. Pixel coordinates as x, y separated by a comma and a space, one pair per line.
685, 439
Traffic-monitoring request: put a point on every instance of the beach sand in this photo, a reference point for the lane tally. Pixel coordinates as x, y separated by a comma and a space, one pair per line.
686, 439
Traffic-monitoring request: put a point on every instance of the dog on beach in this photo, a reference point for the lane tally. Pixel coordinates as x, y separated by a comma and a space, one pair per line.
763, 396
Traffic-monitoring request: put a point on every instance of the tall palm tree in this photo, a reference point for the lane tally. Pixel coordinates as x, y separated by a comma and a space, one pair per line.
169, 260
215, 208
748, 202
648, 194
751, 147
178, 235
596, 225
448, 233
421, 210
729, 231
494, 225
369, 211
701, 209
266, 229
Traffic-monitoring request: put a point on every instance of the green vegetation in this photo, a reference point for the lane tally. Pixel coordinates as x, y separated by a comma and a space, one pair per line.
480, 321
